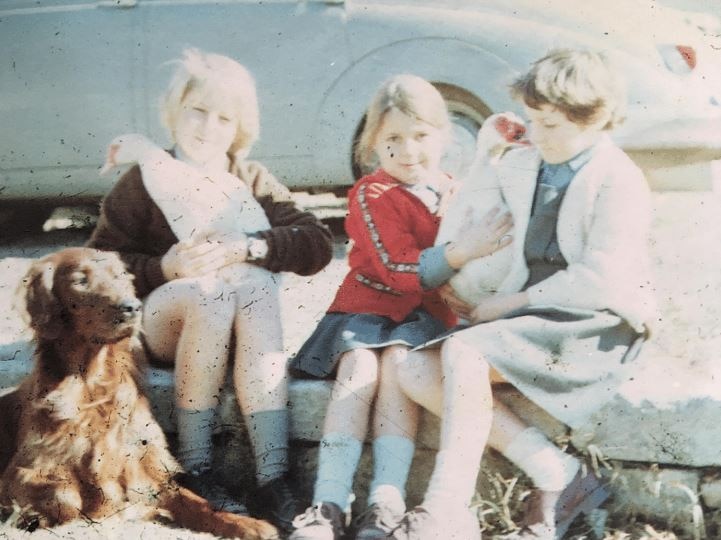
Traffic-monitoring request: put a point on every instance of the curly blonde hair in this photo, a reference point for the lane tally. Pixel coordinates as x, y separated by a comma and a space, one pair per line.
582, 84
411, 95
222, 80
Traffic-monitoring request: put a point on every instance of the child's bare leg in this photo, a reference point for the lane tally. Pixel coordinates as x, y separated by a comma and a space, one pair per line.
346, 425
467, 417
259, 374
395, 413
466, 421
420, 377
185, 325
395, 423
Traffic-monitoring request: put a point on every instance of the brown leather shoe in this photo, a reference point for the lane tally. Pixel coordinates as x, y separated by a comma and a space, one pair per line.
583, 494
549, 514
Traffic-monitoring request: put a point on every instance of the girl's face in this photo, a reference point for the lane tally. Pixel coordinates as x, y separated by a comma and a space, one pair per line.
557, 138
408, 149
206, 127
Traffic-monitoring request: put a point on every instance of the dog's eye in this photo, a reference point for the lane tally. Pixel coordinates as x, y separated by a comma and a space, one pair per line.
80, 280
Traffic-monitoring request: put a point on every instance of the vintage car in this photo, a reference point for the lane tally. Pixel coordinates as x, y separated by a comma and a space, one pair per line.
76, 73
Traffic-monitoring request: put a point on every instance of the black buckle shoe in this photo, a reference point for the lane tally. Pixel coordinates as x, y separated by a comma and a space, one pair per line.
205, 484
324, 521
276, 503
376, 522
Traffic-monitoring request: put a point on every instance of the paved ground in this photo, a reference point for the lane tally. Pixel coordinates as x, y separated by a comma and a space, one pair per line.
685, 248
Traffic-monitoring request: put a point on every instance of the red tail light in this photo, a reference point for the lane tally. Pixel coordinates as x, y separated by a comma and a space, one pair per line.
688, 54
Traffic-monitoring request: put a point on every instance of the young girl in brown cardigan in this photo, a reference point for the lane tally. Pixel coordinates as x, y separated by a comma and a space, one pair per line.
211, 112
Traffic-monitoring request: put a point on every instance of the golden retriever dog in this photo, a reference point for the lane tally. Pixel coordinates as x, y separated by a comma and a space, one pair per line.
79, 439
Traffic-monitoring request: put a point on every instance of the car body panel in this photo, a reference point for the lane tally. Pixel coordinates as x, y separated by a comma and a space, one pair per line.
77, 73
61, 96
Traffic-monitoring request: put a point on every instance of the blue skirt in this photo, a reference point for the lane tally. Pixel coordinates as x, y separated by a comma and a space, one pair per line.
338, 333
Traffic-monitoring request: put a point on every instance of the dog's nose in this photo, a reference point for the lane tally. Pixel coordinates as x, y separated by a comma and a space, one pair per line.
130, 307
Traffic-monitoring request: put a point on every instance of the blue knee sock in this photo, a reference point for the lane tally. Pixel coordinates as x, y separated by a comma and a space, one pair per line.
337, 463
268, 433
195, 445
392, 457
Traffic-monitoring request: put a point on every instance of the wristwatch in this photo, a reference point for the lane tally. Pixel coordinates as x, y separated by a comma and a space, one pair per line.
257, 248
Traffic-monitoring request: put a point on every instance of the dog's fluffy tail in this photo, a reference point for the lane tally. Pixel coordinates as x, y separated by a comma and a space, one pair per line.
193, 512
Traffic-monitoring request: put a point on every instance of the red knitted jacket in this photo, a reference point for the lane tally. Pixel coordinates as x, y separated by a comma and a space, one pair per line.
389, 227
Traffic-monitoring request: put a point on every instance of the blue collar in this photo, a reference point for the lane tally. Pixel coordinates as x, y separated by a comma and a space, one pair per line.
576, 162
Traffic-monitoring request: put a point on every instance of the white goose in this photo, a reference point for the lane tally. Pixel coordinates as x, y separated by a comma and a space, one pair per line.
479, 193
197, 203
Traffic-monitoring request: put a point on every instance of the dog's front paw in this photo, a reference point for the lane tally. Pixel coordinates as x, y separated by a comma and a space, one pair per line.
247, 528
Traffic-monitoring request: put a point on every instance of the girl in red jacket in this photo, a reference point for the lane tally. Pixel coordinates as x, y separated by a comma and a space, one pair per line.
387, 303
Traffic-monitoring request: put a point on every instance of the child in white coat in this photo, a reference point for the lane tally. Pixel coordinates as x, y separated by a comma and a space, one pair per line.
576, 307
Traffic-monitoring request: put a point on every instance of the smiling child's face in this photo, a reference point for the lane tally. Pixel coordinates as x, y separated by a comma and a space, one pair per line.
408, 149
557, 138
206, 126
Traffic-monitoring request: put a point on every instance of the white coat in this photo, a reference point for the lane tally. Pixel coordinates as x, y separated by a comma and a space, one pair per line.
602, 232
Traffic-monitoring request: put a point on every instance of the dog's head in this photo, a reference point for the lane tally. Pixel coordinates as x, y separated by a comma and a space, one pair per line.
82, 291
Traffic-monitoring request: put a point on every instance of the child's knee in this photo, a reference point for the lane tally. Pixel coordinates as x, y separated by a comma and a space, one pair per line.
394, 355
199, 302
413, 372
408, 379
463, 361
359, 367
390, 359
256, 281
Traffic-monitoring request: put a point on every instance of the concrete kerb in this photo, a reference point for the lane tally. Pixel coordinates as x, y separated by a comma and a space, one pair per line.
667, 494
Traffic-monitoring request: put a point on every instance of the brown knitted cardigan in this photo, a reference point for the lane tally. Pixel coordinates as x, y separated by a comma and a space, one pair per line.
133, 225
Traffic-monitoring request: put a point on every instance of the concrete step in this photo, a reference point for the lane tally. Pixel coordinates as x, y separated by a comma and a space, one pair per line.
308, 400
666, 495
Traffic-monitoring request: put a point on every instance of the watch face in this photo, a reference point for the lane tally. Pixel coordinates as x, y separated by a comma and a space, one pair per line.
257, 249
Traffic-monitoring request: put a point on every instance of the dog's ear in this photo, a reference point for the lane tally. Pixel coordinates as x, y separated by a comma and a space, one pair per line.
43, 308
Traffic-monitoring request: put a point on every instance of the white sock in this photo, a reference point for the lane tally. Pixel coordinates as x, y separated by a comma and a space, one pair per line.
452, 484
550, 468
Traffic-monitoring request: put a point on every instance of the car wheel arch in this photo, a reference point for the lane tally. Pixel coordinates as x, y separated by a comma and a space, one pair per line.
461, 68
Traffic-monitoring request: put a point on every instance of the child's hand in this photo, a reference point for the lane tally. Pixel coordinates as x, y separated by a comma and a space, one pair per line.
202, 255
496, 306
446, 198
480, 239
126, 149
457, 306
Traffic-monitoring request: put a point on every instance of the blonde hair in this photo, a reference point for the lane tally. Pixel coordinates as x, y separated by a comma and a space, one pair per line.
219, 77
410, 95
582, 84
